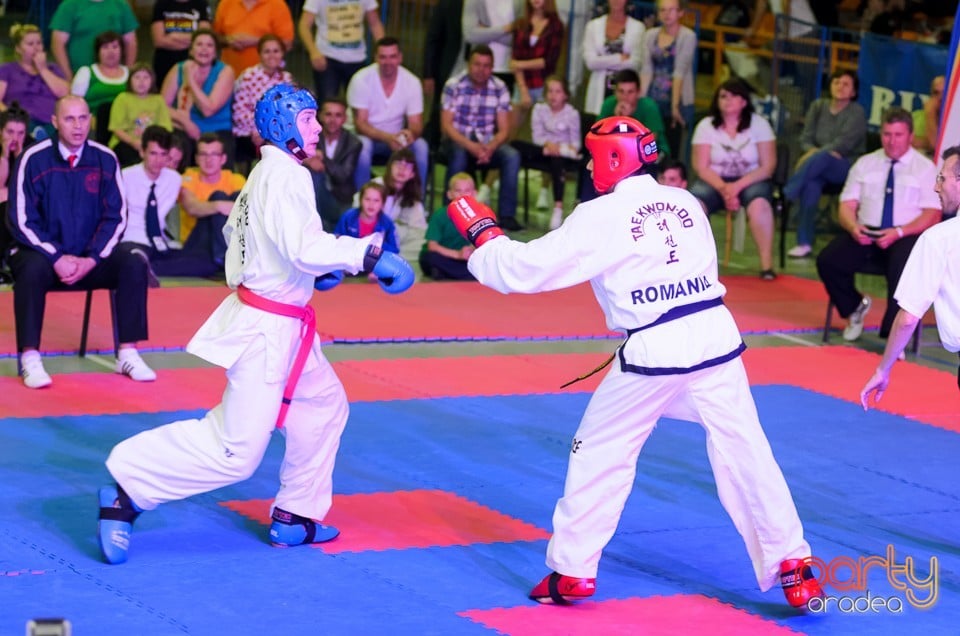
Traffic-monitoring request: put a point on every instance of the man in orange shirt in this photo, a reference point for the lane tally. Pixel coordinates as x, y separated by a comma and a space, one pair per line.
241, 23
206, 198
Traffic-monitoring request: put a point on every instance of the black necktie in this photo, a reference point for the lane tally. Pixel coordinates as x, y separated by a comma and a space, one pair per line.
887, 220
153, 221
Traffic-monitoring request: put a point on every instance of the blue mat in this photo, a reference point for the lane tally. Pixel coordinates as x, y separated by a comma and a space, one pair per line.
861, 481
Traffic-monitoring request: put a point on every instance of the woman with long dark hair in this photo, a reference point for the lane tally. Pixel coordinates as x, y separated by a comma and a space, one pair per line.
734, 155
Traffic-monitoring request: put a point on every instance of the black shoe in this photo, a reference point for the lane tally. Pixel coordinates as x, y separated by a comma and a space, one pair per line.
510, 224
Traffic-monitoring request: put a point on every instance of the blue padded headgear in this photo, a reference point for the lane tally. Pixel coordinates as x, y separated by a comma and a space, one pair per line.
276, 115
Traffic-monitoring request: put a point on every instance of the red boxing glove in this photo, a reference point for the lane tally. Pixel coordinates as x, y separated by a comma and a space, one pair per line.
474, 220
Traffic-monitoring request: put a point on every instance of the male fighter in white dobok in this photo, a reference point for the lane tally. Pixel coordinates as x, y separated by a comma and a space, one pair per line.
650, 257
264, 334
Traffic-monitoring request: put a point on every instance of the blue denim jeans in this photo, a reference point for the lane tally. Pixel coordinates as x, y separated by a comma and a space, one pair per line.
506, 158
807, 185
373, 150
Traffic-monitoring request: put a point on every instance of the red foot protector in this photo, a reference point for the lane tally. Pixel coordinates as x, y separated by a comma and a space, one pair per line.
418, 519
562, 589
680, 614
799, 583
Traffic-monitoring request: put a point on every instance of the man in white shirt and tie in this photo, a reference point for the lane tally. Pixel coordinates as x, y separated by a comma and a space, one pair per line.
887, 201
151, 189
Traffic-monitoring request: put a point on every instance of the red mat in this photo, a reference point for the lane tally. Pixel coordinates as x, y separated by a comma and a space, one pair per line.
680, 614
918, 392
431, 311
419, 519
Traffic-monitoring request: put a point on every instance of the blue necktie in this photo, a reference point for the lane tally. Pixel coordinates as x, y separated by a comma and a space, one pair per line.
887, 220
153, 221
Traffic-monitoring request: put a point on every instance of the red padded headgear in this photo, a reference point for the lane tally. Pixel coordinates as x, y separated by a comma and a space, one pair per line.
620, 146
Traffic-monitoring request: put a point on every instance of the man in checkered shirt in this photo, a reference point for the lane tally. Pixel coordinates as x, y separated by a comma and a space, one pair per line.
476, 125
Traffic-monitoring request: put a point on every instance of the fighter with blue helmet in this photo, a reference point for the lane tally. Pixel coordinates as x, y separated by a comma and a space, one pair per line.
264, 335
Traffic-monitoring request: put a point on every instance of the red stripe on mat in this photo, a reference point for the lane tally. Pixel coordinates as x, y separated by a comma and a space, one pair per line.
418, 519
920, 393
680, 614
361, 312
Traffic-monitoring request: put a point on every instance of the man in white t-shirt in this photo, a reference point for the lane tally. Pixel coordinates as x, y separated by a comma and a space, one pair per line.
931, 276
387, 103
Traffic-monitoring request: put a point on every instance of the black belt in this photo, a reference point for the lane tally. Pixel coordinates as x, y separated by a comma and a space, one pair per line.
671, 314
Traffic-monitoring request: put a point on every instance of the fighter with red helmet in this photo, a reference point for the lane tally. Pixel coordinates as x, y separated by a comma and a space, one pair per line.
649, 254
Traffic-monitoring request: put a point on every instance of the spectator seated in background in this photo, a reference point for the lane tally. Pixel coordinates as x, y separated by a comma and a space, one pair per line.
627, 102
13, 139
445, 252
734, 156
834, 135
100, 83
174, 23
335, 164
476, 125
387, 103
252, 83
555, 125
887, 201
133, 111
179, 156
404, 202
206, 198
151, 190
31, 80
76, 24
672, 172
241, 23
67, 213
368, 218
612, 42
926, 121
199, 92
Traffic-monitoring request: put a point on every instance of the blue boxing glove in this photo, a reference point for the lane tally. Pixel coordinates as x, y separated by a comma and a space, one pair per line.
328, 280
393, 273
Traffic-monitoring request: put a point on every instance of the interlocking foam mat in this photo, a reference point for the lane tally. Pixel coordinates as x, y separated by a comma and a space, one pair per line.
445, 506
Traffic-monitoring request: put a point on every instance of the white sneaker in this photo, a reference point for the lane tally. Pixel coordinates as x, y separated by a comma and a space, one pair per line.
543, 199
800, 251
483, 194
130, 364
855, 322
34, 375
556, 219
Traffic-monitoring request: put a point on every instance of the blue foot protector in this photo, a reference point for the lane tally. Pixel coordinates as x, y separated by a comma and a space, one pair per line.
117, 514
289, 530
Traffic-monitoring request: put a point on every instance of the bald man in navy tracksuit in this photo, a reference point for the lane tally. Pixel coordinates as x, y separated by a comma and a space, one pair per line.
67, 212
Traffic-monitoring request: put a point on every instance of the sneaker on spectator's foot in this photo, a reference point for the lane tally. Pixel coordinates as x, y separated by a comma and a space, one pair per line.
510, 224
543, 199
556, 219
483, 194
34, 375
855, 322
800, 251
130, 364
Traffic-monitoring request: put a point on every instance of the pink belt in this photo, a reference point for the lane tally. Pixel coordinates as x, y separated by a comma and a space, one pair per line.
308, 329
